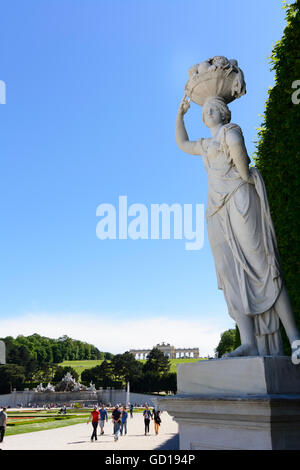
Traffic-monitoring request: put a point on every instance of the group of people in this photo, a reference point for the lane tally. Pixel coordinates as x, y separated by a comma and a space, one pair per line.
119, 418
100, 417
155, 416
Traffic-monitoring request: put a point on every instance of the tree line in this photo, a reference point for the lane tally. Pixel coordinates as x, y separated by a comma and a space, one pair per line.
35, 359
152, 376
47, 350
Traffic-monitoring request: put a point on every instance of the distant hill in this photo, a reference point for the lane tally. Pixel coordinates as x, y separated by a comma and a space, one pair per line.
23, 349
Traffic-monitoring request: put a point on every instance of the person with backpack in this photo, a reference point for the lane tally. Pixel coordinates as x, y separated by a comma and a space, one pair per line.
157, 421
124, 418
147, 416
103, 418
116, 419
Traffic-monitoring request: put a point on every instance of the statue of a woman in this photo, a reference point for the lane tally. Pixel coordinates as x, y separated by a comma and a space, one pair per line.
241, 233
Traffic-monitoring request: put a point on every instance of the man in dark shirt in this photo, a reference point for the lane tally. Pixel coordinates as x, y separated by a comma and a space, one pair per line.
116, 418
3, 419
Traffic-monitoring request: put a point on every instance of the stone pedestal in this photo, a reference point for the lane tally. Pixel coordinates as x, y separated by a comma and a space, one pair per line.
237, 403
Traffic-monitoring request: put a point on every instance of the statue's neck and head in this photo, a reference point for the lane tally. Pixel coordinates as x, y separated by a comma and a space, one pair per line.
215, 114
213, 84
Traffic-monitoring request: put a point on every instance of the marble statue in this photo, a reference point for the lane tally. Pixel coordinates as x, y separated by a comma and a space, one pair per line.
239, 223
92, 387
49, 388
78, 387
69, 384
40, 388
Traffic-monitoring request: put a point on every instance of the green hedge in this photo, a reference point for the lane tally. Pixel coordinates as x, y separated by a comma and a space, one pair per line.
277, 154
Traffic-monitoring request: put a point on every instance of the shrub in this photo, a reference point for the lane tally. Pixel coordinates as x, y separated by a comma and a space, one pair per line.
277, 154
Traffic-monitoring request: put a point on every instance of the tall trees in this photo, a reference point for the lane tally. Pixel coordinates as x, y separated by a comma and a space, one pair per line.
153, 376
126, 367
157, 362
227, 342
47, 350
103, 375
11, 377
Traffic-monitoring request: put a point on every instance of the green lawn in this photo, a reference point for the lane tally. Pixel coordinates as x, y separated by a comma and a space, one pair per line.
79, 366
174, 362
41, 421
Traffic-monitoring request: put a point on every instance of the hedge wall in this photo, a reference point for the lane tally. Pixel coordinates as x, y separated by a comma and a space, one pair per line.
277, 154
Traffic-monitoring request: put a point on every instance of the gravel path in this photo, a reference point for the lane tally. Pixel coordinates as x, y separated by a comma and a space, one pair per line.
77, 437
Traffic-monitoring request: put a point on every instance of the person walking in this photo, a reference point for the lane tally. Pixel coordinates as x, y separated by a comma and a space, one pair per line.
124, 418
147, 416
157, 421
94, 417
116, 419
131, 410
103, 418
3, 420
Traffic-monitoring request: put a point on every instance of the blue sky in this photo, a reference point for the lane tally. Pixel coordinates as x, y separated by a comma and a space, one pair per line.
93, 88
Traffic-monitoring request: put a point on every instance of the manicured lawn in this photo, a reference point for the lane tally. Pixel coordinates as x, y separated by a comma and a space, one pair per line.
174, 363
79, 366
40, 423
20, 422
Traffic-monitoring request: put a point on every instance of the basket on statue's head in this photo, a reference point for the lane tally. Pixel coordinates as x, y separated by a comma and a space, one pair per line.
215, 77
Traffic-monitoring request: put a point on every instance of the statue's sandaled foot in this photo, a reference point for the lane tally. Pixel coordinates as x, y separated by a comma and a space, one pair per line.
243, 350
295, 346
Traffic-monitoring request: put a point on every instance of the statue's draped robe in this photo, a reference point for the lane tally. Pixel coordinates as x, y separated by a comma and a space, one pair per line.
243, 241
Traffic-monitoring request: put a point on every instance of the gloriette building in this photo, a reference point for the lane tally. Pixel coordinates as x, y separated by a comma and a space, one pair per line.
168, 350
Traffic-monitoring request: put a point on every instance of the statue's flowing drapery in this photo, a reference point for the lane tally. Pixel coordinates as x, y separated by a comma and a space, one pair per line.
243, 242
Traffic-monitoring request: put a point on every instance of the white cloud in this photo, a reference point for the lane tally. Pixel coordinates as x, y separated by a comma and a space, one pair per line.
116, 335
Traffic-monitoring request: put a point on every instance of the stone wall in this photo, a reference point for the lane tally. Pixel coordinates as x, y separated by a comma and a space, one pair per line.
112, 396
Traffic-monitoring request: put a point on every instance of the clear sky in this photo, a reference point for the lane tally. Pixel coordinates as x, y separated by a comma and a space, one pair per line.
93, 88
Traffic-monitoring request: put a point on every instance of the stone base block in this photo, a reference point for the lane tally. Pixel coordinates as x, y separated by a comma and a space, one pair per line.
222, 423
249, 403
239, 376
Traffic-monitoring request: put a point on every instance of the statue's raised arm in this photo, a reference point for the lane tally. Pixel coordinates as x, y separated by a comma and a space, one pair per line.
182, 138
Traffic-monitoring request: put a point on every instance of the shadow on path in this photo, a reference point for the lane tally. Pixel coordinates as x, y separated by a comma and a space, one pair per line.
170, 444
78, 442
